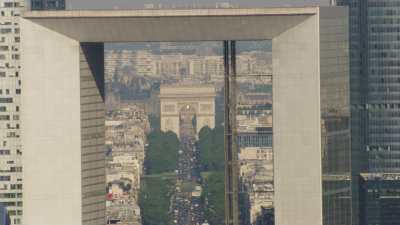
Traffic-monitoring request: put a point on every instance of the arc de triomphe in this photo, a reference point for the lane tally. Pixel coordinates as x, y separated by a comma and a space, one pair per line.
175, 98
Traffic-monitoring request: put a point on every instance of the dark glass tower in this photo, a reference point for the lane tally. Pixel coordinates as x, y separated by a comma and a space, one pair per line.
47, 4
379, 199
375, 89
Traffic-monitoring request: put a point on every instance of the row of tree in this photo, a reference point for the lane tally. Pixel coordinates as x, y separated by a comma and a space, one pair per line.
161, 160
212, 160
158, 184
162, 153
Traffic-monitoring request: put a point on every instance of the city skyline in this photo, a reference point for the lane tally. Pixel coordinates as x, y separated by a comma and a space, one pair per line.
173, 122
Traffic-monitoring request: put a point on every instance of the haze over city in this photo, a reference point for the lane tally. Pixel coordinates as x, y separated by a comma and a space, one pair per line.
199, 112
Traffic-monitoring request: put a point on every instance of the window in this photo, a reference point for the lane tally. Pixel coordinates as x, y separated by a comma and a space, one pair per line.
6, 100
4, 152
8, 5
6, 178
4, 48
4, 117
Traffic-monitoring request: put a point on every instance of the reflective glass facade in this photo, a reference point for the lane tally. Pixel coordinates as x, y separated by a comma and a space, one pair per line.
375, 83
47, 4
335, 122
375, 88
379, 198
383, 139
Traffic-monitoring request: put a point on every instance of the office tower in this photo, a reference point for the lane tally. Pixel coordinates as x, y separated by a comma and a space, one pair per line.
375, 82
379, 198
375, 85
63, 112
10, 90
47, 4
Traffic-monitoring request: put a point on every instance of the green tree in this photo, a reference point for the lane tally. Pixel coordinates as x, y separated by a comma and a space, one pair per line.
154, 200
211, 144
162, 153
214, 198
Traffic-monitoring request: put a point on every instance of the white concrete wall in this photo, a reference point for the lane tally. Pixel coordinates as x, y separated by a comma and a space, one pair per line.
297, 128
51, 135
172, 25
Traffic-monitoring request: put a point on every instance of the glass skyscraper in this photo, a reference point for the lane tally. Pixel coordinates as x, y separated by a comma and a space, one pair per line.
379, 199
47, 4
375, 87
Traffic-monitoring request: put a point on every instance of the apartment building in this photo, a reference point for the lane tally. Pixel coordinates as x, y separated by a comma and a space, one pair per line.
10, 90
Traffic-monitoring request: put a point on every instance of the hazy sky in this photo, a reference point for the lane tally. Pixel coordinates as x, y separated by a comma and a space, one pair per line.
130, 4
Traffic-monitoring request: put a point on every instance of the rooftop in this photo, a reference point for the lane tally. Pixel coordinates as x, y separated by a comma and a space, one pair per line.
171, 12
176, 24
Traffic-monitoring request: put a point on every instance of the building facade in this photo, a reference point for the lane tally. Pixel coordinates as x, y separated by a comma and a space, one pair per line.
379, 199
375, 87
47, 4
10, 90
375, 82
310, 56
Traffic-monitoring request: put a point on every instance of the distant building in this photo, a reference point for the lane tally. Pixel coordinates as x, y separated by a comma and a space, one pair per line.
257, 181
144, 63
261, 137
47, 4
10, 98
254, 131
126, 129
